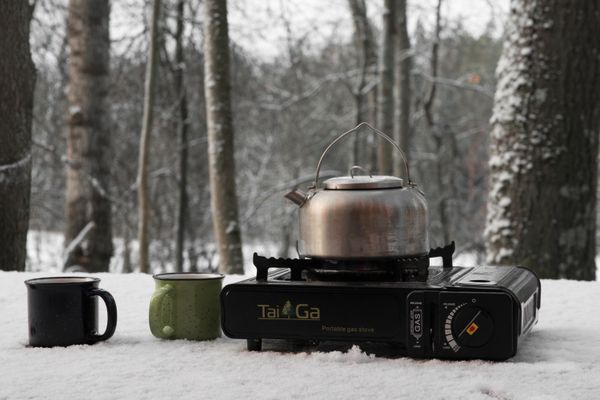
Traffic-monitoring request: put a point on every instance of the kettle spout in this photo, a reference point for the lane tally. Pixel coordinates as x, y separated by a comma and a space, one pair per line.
297, 196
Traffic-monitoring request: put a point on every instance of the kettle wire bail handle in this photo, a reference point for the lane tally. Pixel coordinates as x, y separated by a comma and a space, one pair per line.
355, 129
358, 167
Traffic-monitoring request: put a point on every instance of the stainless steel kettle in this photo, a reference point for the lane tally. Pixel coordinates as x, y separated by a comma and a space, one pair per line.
362, 216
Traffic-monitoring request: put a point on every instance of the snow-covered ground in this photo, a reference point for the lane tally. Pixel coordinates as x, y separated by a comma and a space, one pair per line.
560, 359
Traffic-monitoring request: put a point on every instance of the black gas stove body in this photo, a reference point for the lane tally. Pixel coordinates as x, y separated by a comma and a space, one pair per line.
452, 313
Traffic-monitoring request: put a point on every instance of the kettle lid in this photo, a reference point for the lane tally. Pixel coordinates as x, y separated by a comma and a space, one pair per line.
363, 182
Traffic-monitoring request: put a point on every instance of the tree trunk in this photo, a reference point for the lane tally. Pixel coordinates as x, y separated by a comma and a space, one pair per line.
126, 250
192, 253
144, 158
182, 129
544, 140
402, 94
385, 108
434, 129
220, 138
364, 42
17, 78
88, 139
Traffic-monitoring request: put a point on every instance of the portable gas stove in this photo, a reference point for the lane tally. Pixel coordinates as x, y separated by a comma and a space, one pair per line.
420, 311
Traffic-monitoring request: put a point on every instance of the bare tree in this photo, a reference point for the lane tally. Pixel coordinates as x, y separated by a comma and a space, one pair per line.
544, 140
144, 157
220, 137
365, 87
17, 78
182, 128
385, 107
88, 139
436, 131
402, 92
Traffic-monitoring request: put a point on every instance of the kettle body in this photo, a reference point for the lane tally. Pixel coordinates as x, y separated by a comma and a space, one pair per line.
362, 216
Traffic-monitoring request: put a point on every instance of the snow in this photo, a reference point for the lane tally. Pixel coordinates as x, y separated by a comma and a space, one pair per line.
232, 226
15, 172
504, 253
17, 164
73, 110
526, 51
558, 360
504, 202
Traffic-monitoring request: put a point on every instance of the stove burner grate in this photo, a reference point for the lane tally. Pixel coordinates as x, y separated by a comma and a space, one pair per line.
397, 269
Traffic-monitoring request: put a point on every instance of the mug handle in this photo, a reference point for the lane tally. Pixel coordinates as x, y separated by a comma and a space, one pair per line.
111, 311
157, 325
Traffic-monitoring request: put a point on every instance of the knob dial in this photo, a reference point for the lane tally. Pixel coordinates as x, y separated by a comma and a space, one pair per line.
472, 326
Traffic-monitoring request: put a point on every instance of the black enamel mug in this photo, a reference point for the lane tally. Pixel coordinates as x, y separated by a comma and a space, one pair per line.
64, 311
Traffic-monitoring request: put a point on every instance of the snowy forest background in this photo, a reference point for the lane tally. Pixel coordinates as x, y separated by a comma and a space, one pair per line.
302, 73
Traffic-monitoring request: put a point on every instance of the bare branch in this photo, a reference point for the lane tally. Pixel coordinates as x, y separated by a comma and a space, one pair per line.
434, 80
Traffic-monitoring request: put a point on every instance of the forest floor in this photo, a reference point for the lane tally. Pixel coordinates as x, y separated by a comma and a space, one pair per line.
559, 359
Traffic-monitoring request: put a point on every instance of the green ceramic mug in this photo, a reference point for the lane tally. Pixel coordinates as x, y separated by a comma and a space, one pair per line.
186, 306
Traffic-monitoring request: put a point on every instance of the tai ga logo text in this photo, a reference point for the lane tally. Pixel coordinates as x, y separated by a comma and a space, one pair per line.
288, 311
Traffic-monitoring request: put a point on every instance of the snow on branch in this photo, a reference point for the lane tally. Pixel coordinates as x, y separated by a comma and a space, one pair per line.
10, 172
7, 168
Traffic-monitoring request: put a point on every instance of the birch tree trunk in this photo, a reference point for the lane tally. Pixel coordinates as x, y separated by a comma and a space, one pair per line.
385, 107
88, 138
183, 125
544, 140
17, 78
402, 92
144, 157
220, 137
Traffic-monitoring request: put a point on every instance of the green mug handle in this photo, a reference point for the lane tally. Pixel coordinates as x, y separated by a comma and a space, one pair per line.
163, 302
